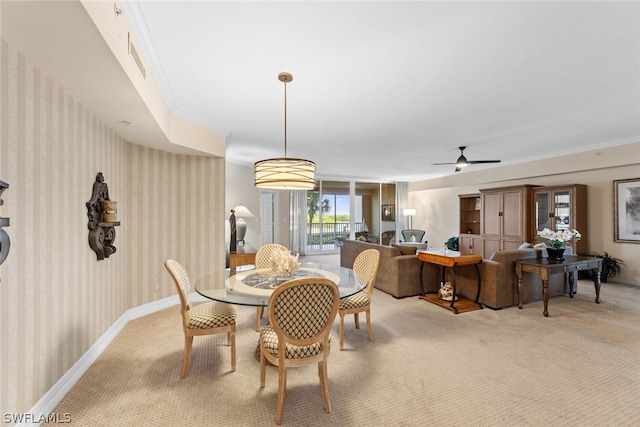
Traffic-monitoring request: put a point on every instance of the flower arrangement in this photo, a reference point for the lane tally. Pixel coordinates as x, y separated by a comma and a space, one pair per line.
283, 263
559, 239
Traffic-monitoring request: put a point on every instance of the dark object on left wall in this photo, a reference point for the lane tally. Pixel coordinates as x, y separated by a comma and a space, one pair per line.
102, 213
234, 232
5, 242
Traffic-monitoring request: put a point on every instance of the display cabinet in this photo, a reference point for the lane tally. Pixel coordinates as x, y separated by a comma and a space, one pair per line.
563, 208
506, 218
469, 241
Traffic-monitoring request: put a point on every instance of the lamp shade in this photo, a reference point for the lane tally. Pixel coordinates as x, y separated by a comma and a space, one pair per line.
242, 212
285, 173
408, 212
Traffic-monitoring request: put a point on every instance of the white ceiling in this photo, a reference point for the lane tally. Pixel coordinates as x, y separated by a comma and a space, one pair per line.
382, 90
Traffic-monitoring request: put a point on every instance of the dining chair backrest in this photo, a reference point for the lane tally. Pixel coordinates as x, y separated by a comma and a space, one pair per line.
302, 310
264, 253
365, 268
183, 285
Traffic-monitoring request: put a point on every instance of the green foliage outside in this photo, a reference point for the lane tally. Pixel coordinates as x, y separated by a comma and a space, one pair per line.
330, 219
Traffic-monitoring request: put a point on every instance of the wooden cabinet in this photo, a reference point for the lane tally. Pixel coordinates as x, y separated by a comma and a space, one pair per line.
561, 208
506, 218
469, 241
470, 244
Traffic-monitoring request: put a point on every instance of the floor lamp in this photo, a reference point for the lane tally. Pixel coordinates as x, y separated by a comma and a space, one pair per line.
241, 212
409, 213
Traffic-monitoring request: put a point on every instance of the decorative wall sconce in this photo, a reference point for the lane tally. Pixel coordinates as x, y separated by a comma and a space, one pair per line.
102, 213
5, 242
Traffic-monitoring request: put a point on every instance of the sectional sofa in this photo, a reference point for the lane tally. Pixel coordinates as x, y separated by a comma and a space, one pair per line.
399, 275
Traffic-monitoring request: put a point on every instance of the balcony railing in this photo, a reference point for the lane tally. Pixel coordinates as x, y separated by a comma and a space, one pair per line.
330, 230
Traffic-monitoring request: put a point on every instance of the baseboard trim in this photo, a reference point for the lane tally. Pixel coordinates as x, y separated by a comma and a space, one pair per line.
51, 398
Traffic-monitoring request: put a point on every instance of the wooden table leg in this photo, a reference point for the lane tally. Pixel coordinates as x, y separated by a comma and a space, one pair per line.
455, 294
545, 296
572, 280
479, 285
519, 287
596, 282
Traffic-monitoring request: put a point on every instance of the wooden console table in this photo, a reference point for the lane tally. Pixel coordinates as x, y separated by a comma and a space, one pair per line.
544, 267
449, 260
243, 255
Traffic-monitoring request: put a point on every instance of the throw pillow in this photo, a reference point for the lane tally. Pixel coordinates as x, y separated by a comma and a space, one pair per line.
405, 250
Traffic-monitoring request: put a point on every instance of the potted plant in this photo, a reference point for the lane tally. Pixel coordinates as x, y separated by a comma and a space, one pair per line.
452, 243
558, 241
611, 266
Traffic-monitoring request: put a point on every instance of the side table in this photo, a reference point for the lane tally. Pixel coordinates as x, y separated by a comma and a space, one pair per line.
243, 255
545, 267
449, 260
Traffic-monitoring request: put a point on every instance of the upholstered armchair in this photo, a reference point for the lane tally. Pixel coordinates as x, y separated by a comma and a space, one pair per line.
413, 235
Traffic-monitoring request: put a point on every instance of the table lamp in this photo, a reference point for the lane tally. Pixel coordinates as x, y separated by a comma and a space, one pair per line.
409, 213
241, 212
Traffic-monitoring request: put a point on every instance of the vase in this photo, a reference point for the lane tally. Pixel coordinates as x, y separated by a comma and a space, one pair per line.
555, 254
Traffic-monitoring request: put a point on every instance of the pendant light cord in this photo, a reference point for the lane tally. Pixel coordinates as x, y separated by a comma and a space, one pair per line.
285, 120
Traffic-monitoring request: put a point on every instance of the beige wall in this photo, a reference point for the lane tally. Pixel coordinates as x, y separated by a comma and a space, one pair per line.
436, 201
56, 299
240, 189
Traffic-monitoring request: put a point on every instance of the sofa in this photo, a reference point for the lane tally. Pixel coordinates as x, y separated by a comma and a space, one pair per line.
499, 280
398, 275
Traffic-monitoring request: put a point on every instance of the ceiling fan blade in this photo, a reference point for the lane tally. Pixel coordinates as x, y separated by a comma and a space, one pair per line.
462, 161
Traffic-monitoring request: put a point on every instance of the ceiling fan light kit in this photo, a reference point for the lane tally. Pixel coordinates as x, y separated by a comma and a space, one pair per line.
284, 173
463, 162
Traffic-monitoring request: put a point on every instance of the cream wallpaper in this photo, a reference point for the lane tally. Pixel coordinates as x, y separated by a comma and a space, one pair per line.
56, 299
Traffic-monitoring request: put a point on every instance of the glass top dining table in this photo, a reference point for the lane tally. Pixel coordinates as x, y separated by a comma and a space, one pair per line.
253, 287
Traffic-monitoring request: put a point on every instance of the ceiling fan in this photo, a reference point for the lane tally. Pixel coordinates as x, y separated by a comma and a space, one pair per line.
462, 161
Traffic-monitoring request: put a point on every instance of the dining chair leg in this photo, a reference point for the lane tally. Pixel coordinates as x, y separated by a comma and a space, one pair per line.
259, 312
341, 331
188, 343
232, 339
369, 325
263, 365
282, 384
324, 385
356, 319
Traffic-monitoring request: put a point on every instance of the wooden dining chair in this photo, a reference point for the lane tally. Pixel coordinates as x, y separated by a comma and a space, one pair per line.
202, 319
263, 261
301, 313
365, 267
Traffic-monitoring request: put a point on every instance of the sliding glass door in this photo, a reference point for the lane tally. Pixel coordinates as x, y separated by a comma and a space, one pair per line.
328, 216
337, 210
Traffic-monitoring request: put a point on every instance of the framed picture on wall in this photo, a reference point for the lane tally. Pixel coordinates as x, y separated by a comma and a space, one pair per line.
388, 212
626, 210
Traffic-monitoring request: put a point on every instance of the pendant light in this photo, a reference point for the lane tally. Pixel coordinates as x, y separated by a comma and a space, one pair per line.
285, 173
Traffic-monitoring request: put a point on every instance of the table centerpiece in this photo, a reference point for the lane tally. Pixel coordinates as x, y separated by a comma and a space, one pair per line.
558, 241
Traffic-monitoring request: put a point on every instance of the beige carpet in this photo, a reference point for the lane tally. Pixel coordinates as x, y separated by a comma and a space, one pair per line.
427, 367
